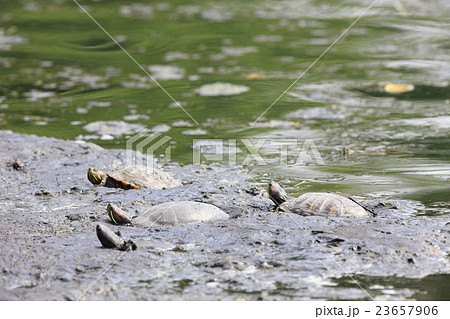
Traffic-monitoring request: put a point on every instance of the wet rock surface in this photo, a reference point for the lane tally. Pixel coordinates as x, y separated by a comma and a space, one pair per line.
50, 250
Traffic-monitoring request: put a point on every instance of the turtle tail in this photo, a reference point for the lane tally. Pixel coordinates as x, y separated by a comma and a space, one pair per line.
367, 209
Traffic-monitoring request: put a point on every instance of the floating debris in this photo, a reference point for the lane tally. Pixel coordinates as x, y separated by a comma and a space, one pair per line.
172, 56
315, 113
7, 41
83, 138
37, 120
238, 51
75, 77
219, 88
375, 150
267, 38
135, 117
254, 75
397, 88
46, 64
399, 7
198, 131
121, 38
137, 82
137, 10
161, 128
181, 123
35, 95
167, 72
41, 123
188, 11
194, 77
114, 128
98, 104
206, 69
216, 14
106, 137
82, 110
175, 105
135, 85
276, 123
437, 123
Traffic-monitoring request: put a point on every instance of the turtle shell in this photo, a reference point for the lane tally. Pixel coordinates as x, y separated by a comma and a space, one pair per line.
179, 213
128, 177
324, 204
110, 239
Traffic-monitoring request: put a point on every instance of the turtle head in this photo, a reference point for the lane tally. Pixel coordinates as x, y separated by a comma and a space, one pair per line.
95, 176
276, 193
117, 215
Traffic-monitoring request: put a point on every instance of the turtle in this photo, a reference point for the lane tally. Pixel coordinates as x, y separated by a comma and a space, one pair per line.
110, 239
132, 177
117, 215
169, 213
316, 204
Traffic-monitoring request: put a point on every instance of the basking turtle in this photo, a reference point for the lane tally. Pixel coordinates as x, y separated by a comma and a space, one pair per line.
110, 239
132, 177
319, 204
170, 213
117, 215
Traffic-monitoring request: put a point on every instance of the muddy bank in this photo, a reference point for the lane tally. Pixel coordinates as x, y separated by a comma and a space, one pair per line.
50, 251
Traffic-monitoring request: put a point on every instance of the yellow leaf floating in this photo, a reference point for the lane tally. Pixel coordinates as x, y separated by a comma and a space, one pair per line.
397, 88
254, 75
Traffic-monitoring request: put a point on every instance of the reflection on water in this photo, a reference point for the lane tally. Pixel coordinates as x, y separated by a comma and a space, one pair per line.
225, 63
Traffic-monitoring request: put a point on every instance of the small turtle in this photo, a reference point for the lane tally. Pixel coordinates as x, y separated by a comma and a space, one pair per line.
132, 177
170, 213
117, 215
319, 204
18, 166
110, 239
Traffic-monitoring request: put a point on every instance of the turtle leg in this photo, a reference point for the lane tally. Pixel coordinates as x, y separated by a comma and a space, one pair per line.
128, 245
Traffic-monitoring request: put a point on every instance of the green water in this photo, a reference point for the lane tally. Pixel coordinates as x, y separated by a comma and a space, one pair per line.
432, 287
59, 71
